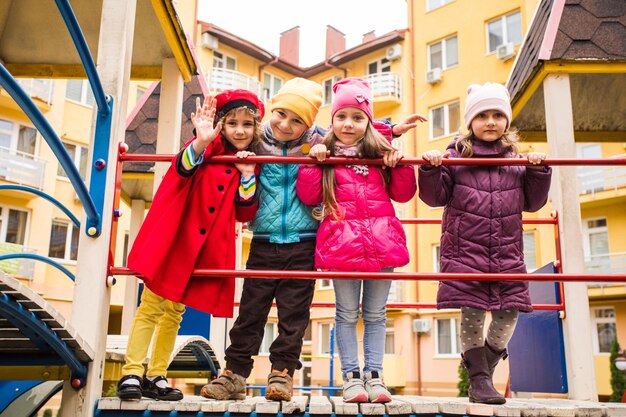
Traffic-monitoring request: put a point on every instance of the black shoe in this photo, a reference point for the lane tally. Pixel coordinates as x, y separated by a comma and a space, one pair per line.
151, 390
129, 391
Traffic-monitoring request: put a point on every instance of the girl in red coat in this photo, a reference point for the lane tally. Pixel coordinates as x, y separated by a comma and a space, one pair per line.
191, 224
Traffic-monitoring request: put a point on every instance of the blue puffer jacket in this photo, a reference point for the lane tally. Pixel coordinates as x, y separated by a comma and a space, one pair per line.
282, 217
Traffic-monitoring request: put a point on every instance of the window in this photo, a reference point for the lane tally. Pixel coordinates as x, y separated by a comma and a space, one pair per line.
324, 344
126, 248
13, 225
603, 328
308, 338
140, 93
503, 30
390, 348
436, 258
530, 250
78, 154
16, 137
446, 338
80, 92
445, 120
435, 4
591, 178
328, 89
595, 239
222, 61
271, 85
444, 53
63, 241
268, 338
325, 284
382, 65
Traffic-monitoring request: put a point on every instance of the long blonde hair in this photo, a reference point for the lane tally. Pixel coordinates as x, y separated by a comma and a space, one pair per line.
465, 143
372, 145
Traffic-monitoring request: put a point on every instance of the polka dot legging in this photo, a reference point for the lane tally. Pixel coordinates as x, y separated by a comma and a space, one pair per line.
499, 333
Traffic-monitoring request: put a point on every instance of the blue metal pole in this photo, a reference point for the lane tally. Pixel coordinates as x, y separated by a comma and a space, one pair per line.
46, 196
26, 104
85, 56
331, 379
38, 258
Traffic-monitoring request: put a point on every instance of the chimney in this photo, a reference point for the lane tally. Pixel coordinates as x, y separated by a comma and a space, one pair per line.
335, 41
290, 46
369, 36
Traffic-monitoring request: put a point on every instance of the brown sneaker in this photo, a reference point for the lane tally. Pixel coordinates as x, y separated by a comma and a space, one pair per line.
279, 386
229, 386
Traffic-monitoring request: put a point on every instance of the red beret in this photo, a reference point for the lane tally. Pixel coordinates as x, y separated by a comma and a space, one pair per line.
232, 99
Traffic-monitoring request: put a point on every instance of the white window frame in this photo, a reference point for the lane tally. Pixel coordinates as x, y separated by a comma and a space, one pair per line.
273, 90
262, 349
382, 65
320, 327
444, 55
4, 222
14, 133
68, 240
326, 100
325, 284
454, 338
222, 61
505, 31
594, 327
436, 256
587, 232
86, 96
390, 331
532, 232
75, 158
442, 3
446, 120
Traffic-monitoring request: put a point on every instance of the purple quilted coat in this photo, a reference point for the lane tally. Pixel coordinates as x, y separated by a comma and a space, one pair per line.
482, 225
370, 236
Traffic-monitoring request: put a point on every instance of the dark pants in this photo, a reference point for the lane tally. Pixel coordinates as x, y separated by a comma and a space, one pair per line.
293, 301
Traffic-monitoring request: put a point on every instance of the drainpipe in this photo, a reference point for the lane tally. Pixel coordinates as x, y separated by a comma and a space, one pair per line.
329, 65
272, 62
414, 133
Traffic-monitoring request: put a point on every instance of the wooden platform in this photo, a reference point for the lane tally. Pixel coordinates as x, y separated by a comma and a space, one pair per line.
321, 406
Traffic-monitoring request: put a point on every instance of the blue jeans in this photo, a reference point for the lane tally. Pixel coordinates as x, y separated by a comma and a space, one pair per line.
347, 296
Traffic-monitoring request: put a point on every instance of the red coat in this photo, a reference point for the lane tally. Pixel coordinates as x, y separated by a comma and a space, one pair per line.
191, 224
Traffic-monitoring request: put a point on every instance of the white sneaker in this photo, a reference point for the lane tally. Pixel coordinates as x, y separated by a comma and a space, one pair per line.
376, 389
353, 389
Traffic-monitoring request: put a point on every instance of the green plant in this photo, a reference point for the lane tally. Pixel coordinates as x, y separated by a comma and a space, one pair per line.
111, 391
618, 378
463, 384
47, 413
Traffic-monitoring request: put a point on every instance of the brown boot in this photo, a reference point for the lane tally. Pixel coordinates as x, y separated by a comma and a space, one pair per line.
481, 388
229, 386
279, 386
493, 357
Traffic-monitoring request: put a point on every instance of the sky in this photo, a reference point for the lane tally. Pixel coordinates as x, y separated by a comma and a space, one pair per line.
262, 21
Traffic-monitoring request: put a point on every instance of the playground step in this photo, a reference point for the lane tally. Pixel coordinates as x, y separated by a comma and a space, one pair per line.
401, 405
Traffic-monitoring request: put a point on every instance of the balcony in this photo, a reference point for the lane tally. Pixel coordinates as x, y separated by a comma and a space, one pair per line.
220, 79
18, 268
386, 86
593, 180
36, 88
21, 168
396, 292
607, 263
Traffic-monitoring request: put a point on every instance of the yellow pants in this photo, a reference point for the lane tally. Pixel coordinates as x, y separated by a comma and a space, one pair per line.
158, 313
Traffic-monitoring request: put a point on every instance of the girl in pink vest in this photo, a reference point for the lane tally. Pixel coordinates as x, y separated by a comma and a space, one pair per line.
359, 229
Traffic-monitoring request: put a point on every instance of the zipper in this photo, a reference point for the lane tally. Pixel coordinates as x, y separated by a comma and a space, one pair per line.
283, 221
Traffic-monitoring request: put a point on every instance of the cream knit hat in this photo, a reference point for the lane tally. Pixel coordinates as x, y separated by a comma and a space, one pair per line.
489, 96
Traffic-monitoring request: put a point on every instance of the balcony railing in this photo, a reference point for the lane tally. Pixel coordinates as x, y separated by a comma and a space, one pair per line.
21, 168
396, 292
602, 178
385, 84
220, 79
607, 263
19, 268
37, 87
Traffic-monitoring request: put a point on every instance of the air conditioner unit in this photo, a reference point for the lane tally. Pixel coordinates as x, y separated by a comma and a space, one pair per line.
421, 325
505, 51
394, 52
433, 76
209, 41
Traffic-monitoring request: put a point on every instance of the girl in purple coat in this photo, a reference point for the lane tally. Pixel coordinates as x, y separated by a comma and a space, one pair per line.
482, 230
359, 229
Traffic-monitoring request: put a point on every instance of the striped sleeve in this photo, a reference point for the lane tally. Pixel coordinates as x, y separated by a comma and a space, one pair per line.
247, 188
188, 159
